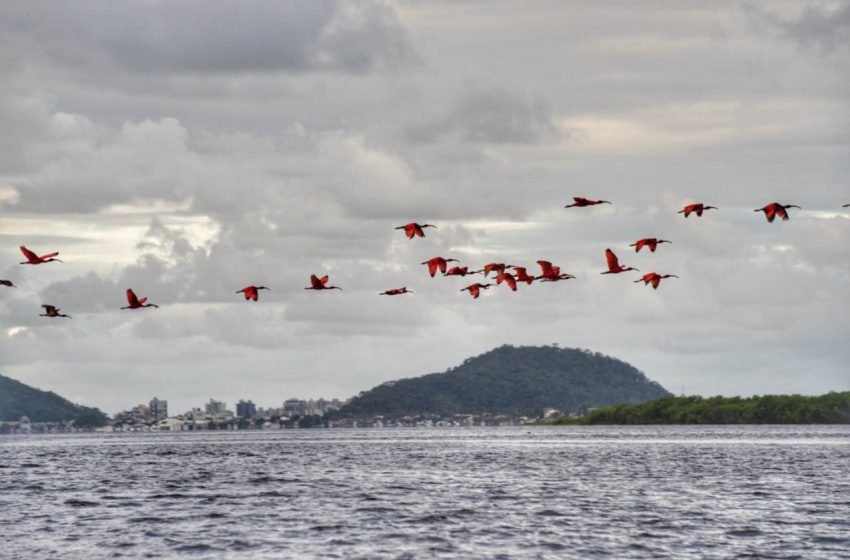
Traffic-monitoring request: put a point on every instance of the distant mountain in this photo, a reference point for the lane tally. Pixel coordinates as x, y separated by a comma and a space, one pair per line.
512, 380
18, 399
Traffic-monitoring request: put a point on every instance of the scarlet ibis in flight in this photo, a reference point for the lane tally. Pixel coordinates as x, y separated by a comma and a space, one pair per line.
521, 275
650, 242
317, 283
475, 289
697, 209
614, 264
654, 278
775, 209
396, 291
498, 268
551, 273
581, 202
413, 229
508, 279
252, 292
51, 311
438, 263
7, 283
135, 303
32, 258
460, 271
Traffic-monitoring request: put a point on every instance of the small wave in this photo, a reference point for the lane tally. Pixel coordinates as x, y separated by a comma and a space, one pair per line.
327, 527
80, 503
148, 519
826, 539
433, 518
197, 547
275, 494
375, 509
747, 532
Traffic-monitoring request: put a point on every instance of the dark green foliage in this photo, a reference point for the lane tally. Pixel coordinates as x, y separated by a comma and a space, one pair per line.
511, 380
832, 408
17, 399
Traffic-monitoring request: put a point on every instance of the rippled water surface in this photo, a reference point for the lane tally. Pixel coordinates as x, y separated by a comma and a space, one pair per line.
647, 492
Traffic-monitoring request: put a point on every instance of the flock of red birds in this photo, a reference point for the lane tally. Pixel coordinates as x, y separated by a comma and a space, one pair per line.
548, 271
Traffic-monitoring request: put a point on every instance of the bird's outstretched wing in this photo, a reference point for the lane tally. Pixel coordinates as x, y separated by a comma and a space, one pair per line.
132, 299
613, 263
432, 267
30, 256
770, 212
545, 267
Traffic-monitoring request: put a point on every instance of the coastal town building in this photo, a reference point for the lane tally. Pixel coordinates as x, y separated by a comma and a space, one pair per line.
142, 412
215, 408
158, 409
246, 409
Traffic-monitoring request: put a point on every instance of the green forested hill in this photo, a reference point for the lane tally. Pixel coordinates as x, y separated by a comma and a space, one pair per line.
17, 399
832, 408
511, 380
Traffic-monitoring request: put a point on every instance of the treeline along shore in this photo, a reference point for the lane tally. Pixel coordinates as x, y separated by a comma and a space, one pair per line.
832, 408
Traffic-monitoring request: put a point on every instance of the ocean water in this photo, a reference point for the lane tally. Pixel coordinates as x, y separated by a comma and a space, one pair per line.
553, 492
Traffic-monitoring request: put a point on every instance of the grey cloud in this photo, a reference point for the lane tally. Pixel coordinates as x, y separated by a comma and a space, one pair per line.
493, 116
825, 28
211, 36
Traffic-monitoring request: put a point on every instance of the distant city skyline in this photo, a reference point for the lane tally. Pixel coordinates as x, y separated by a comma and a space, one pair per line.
157, 408
187, 158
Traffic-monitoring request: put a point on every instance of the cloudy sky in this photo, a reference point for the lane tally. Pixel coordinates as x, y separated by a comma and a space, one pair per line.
187, 150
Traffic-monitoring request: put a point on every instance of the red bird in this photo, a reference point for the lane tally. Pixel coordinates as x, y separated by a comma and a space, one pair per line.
508, 279
50, 311
775, 209
613, 264
581, 202
32, 258
317, 283
252, 292
475, 289
650, 242
695, 209
396, 291
498, 268
135, 302
7, 283
460, 271
413, 229
551, 273
438, 262
522, 276
654, 278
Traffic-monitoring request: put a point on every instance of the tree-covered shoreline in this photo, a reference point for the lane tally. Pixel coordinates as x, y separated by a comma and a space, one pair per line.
832, 408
